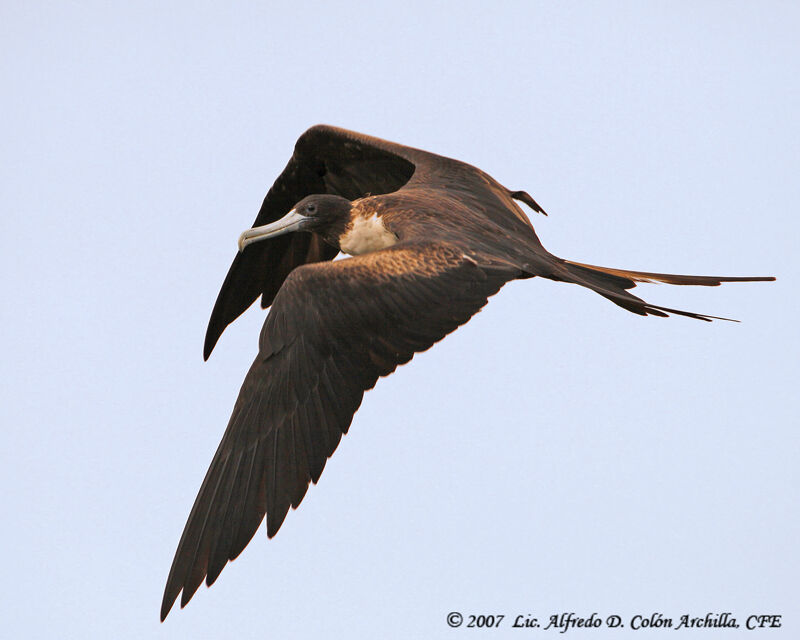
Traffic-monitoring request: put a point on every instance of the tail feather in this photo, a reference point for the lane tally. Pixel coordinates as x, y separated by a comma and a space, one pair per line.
614, 283
667, 278
637, 305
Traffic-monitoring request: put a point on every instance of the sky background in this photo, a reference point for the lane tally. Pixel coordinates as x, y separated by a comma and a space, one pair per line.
556, 454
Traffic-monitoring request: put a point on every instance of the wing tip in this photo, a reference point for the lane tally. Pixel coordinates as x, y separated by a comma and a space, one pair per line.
208, 346
213, 332
166, 605
524, 196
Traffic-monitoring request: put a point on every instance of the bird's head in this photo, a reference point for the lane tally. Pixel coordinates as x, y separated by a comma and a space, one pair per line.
320, 213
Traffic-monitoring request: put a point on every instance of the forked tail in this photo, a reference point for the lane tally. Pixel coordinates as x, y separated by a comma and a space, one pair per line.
614, 284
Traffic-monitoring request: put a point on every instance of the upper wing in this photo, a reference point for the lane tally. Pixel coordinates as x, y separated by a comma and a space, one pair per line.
353, 165
333, 329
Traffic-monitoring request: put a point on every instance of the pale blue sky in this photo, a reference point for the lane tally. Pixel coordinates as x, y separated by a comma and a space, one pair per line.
556, 454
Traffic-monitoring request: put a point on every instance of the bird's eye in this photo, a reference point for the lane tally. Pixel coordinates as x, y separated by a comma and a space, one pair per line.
311, 208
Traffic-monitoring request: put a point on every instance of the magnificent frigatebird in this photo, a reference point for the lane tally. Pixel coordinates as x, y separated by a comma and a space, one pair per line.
431, 238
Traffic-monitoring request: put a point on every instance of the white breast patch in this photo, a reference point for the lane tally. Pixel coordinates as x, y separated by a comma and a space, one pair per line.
365, 235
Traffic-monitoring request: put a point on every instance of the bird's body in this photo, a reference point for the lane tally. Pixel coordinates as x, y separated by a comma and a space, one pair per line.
431, 238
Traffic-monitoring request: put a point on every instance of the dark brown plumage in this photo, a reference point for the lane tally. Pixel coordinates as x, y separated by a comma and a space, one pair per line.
436, 238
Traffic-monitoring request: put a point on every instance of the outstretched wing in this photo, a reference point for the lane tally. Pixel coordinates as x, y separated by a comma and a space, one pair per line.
333, 329
352, 165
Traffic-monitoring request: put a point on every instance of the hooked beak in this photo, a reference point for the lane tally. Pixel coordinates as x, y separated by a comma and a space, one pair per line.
292, 221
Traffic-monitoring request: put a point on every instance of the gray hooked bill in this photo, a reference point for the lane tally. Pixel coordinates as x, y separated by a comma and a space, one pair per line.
292, 221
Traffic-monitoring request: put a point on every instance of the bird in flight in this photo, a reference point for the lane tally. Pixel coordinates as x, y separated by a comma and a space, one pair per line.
431, 239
